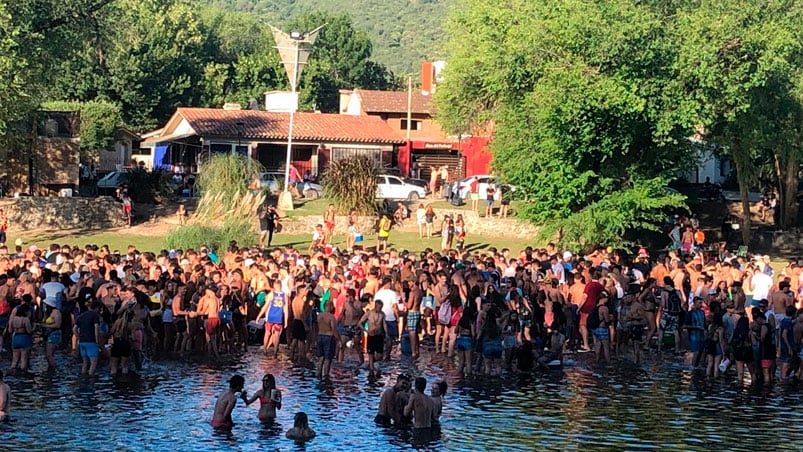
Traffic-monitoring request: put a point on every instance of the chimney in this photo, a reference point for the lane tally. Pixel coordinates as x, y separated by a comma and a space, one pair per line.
427, 77
232, 106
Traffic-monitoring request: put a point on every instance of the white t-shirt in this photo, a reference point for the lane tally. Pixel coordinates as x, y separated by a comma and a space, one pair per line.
762, 283
389, 298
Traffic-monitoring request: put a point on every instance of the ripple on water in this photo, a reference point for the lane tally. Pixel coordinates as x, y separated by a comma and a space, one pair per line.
168, 408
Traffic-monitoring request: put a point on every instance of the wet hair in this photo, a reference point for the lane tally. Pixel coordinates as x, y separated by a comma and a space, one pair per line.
300, 420
420, 384
236, 381
442, 387
270, 380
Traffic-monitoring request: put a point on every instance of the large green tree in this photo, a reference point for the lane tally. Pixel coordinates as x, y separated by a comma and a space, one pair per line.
585, 113
740, 62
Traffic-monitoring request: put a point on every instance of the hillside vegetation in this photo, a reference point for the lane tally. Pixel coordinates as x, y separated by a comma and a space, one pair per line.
403, 32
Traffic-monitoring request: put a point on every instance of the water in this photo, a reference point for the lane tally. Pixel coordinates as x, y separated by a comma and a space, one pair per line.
660, 406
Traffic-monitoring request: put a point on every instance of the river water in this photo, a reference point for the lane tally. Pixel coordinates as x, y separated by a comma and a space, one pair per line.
658, 406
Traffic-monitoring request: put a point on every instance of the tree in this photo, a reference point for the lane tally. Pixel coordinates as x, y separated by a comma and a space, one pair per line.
14, 68
740, 61
99, 122
583, 109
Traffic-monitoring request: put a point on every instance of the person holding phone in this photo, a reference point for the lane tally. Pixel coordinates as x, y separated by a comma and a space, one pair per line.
270, 399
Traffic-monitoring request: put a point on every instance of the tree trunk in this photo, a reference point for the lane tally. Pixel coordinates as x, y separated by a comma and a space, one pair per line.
788, 180
743, 177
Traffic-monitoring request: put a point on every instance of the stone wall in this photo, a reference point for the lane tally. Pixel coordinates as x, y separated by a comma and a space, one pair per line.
39, 212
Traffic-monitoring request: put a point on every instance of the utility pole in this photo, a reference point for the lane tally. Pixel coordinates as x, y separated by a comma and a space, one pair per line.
409, 105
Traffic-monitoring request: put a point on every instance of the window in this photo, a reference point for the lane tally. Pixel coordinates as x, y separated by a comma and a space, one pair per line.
394, 181
218, 148
374, 154
415, 124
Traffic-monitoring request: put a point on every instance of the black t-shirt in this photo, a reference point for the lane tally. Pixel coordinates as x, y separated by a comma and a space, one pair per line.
86, 326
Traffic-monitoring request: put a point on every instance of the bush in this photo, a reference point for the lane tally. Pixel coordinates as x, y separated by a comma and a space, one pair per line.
351, 184
216, 237
150, 187
223, 183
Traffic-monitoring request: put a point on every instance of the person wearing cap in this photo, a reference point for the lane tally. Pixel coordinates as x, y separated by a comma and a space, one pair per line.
51, 328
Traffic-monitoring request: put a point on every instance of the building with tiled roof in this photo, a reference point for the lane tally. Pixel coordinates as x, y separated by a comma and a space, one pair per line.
317, 138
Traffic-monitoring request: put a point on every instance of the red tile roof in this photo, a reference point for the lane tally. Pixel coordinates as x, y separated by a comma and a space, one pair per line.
395, 102
213, 122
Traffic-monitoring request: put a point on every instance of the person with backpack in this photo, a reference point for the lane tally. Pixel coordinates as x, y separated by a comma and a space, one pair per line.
671, 309
599, 322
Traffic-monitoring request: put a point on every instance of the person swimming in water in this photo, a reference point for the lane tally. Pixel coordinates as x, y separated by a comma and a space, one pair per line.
270, 399
301, 430
221, 419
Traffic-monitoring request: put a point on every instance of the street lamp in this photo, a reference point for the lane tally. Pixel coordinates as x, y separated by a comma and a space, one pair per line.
294, 49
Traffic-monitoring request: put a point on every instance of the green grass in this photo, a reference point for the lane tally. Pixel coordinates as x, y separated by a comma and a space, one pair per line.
115, 240
399, 240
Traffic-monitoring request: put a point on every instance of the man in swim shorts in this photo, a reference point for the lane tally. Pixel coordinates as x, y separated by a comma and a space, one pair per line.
327, 339
377, 330
221, 419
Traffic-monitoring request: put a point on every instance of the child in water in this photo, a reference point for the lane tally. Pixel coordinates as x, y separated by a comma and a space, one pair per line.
301, 430
221, 419
270, 399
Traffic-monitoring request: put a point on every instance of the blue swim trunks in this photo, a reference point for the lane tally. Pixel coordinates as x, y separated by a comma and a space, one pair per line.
492, 348
88, 349
464, 343
21, 340
603, 334
54, 338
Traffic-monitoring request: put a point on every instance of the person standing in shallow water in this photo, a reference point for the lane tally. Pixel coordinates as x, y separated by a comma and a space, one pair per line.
221, 418
328, 339
270, 399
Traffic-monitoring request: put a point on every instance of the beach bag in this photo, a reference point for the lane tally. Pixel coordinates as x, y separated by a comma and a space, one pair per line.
445, 313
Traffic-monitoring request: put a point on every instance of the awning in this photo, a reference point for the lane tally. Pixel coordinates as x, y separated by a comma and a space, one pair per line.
153, 141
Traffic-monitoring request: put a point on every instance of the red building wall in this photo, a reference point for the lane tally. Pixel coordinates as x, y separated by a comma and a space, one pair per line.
476, 155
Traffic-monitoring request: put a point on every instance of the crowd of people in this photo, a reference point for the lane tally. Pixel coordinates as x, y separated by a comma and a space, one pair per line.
492, 312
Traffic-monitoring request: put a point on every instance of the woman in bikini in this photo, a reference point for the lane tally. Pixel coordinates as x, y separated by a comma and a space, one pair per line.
21, 339
270, 399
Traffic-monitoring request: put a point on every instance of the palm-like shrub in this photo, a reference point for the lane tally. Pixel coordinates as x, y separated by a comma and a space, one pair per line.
227, 209
351, 184
223, 182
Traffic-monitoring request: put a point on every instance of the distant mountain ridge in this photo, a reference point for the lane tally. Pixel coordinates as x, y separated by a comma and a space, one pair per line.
404, 32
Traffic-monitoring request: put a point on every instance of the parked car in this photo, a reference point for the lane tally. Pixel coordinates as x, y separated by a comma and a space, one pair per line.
273, 180
463, 186
107, 185
394, 187
397, 172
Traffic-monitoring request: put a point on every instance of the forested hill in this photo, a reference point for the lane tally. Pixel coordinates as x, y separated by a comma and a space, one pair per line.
404, 32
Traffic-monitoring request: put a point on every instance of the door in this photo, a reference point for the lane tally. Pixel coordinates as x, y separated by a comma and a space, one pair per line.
397, 188
381, 187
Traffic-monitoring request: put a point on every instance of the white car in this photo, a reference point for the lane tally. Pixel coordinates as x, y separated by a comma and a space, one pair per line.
463, 186
393, 187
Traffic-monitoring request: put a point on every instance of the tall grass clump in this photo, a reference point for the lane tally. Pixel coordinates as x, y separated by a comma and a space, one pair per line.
216, 237
227, 209
223, 182
351, 184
